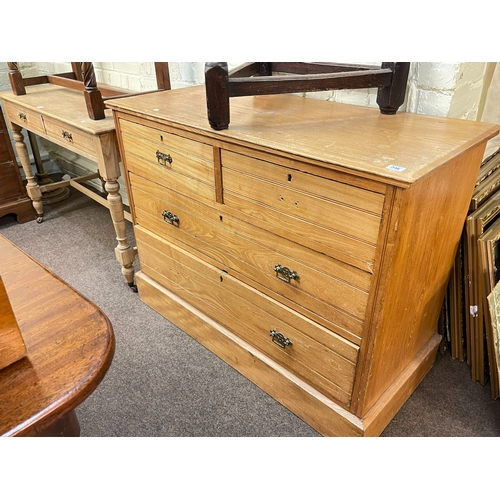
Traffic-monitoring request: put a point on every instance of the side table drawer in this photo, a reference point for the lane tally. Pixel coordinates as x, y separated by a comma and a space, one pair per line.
313, 353
71, 137
24, 117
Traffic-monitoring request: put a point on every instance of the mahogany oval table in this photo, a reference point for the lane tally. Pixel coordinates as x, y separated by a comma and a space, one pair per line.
70, 345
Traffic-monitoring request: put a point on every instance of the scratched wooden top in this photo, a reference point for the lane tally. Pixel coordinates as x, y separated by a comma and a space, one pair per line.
357, 137
60, 103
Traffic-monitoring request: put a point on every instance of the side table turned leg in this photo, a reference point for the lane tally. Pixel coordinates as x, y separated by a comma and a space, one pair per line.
109, 169
32, 187
125, 254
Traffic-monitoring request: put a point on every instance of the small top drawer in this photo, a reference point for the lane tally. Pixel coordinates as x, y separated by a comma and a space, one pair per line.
342, 217
24, 117
179, 154
336, 191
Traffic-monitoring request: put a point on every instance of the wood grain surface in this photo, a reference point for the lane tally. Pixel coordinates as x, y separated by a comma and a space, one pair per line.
69, 341
321, 130
64, 105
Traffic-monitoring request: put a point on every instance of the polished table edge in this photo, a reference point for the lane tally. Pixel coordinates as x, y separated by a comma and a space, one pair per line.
60, 409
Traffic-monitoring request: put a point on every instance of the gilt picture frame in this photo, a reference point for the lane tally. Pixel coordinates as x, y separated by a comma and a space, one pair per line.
494, 308
476, 224
489, 262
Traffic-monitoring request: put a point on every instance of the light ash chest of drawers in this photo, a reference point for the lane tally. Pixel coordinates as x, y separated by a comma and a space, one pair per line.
308, 246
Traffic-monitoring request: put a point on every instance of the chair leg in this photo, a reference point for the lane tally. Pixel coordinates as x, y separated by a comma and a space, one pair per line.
389, 99
16, 79
93, 97
217, 89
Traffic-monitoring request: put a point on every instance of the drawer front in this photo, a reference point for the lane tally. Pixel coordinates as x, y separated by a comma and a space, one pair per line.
24, 117
150, 147
296, 275
342, 217
168, 179
71, 137
336, 191
314, 354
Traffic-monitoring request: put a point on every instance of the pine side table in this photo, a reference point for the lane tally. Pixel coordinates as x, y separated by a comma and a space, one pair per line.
60, 115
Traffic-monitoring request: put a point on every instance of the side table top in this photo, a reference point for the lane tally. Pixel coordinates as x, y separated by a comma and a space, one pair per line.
59, 103
69, 340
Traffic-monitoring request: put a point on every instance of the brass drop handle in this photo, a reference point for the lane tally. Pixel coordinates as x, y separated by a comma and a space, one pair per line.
23, 117
67, 136
285, 274
170, 217
163, 158
279, 339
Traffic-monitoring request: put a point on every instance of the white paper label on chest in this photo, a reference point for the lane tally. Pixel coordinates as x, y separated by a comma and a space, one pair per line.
396, 168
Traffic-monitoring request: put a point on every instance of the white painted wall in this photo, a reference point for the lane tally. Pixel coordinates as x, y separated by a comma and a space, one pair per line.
451, 89
436, 88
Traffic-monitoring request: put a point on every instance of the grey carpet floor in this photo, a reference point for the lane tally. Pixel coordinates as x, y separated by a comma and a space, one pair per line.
163, 383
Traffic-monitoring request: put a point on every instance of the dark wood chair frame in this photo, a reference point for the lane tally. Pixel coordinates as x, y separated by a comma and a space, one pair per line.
82, 77
260, 78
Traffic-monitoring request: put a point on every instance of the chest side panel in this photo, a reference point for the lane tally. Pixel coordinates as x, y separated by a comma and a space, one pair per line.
419, 254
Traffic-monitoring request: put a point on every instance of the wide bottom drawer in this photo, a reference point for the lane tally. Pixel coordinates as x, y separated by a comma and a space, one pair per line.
311, 352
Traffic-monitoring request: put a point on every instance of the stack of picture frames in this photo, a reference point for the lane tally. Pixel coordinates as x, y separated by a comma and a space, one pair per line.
466, 322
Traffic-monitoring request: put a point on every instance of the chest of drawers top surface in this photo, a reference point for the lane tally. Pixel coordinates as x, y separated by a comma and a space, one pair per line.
322, 131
